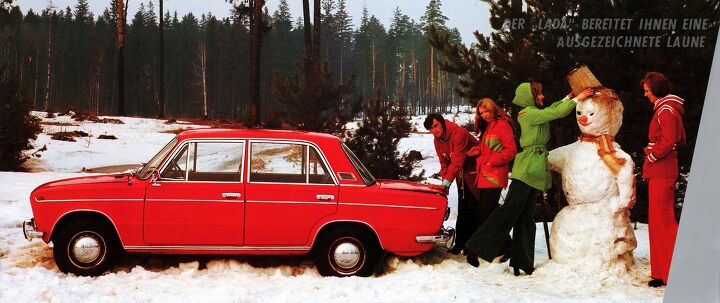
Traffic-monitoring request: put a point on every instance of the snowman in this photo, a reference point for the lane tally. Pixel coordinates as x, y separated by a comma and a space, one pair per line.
594, 232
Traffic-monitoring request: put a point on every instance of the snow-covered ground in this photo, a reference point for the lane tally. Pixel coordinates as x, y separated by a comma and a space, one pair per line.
28, 272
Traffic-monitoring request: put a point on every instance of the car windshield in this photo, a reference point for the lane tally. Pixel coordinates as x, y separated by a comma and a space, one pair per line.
364, 172
148, 168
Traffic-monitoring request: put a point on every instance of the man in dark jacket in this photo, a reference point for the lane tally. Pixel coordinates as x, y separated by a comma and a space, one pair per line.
451, 144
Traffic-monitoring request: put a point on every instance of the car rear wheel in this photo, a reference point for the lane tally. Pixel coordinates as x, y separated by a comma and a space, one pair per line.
85, 248
344, 253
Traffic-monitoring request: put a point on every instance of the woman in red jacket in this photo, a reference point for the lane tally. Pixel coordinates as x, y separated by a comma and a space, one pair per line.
665, 135
494, 153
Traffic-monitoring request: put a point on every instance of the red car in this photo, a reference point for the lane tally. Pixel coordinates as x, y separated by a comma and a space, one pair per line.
260, 192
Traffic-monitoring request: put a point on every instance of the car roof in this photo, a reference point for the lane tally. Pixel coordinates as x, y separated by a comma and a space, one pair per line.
221, 133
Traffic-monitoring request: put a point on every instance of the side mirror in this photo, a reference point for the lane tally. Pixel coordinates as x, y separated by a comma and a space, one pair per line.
155, 178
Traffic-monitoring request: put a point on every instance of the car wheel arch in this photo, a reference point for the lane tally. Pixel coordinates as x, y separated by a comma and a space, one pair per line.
324, 228
92, 215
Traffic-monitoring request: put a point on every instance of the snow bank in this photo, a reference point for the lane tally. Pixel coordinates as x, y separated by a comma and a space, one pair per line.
28, 272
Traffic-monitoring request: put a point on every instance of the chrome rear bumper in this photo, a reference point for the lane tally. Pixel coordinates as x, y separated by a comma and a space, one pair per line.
446, 235
30, 230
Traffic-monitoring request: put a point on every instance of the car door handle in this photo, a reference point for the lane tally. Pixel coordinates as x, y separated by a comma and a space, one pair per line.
231, 195
325, 197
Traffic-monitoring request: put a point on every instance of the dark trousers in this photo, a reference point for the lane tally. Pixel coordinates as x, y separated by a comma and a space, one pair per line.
469, 214
516, 214
474, 207
489, 198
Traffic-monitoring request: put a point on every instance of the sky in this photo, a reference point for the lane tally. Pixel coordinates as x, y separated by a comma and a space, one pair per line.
465, 15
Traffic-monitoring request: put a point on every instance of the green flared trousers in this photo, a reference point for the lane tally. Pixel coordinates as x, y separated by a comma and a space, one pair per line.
516, 214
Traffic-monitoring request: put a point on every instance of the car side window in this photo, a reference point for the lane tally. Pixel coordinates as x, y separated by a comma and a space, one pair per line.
215, 161
175, 170
277, 162
317, 172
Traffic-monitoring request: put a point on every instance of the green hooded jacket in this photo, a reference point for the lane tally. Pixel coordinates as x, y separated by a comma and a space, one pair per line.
531, 164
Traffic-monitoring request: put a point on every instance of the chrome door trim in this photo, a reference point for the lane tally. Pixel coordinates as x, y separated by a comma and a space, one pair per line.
217, 247
87, 200
388, 205
193, 200
291, 202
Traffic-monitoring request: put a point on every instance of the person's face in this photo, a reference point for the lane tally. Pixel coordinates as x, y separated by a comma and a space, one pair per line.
486, 114
649, 94
540, 98
436, 129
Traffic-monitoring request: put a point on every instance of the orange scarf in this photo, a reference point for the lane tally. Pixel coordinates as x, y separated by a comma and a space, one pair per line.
606, 151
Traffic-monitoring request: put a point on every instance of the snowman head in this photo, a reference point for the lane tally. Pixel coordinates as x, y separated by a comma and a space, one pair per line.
600, 114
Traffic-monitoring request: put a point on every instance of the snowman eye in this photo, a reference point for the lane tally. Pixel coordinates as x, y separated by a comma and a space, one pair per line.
591, 114
579, 113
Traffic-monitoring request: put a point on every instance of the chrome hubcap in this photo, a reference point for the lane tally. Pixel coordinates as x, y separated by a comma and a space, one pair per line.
86, 249
347, 255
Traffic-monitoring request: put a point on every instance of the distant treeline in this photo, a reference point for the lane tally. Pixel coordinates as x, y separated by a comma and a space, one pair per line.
206, 58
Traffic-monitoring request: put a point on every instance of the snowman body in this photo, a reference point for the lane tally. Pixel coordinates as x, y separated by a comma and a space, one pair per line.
594, 230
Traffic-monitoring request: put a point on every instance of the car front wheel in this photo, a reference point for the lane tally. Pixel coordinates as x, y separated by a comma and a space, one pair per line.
85, 248
347, 253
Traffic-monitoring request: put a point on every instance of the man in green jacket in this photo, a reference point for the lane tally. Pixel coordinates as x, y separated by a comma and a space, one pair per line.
530, 175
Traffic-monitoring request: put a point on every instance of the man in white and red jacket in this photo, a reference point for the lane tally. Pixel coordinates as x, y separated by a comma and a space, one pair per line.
666, 134
451, 144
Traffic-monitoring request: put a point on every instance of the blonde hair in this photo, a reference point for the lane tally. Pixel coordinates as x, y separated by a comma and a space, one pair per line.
497, 112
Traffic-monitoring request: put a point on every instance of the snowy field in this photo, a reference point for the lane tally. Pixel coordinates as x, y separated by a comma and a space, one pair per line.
28, 272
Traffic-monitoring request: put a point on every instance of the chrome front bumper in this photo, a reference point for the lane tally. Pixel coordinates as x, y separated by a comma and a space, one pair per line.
446, 235
30, 230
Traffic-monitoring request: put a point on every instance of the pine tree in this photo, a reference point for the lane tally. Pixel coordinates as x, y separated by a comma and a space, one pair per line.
315, 102
376, 142
343, 25
496, 64
17, 126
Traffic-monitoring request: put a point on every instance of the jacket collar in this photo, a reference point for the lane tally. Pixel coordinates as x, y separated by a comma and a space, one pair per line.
666, 99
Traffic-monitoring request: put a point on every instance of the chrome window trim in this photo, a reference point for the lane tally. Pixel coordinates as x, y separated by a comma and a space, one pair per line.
286, 183
203, 182
180, 146
354, 185
388, 205
169, 159
216, 247
291, 141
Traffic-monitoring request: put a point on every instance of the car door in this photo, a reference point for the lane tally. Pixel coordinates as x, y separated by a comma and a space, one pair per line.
199, 196
290, 187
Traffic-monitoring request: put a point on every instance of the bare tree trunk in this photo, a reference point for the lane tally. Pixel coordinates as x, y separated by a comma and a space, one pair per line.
256, 40
373, 66
201, 70
432, 78
35, 81
98, 80
415, 100
341, 63
385, 76
401, 89
46, 105
161, 104
122, 17
307, 39
316, 35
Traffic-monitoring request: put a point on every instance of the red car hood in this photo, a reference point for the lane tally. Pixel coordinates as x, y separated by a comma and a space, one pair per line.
407, 185
114, 178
